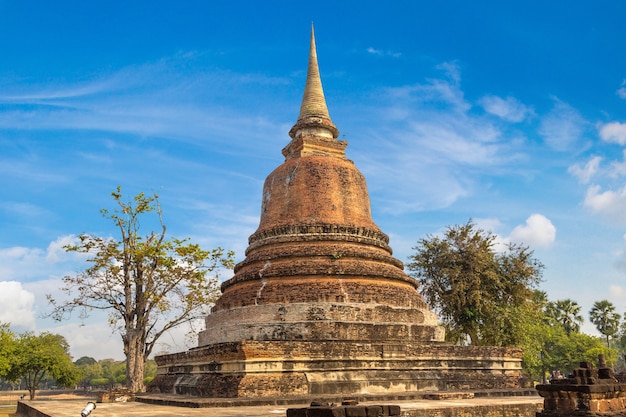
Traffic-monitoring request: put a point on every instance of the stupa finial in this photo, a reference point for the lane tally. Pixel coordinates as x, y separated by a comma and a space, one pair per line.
313, 111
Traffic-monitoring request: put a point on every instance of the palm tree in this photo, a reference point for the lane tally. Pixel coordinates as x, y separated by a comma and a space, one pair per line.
567, 314
604, 317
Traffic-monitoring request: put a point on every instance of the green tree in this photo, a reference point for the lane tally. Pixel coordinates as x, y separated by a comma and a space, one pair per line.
478, 292
606, 320
547, 347
151, 371
85, 360
113, 371
148, 285
39, 356
567, 314
7, 348
89, 369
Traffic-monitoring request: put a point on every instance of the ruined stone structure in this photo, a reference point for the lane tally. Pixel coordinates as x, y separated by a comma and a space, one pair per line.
319, 305
587, 392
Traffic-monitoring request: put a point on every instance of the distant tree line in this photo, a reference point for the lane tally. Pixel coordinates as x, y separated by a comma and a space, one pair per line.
487, 293
33, 362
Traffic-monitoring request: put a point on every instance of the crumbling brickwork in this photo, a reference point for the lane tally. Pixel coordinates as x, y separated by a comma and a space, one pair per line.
587, 392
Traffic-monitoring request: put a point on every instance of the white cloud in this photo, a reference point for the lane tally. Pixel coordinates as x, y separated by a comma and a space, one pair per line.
56, 250
509, 109
618, 168
538, 231
452, 71
488, 224
617, 291
563, 127
610, 204
94, 339
17, 305
379, 52
613, 132
621, 92
585, 173
23, 264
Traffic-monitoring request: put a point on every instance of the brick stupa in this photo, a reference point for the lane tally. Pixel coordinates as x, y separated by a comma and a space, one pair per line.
319, 306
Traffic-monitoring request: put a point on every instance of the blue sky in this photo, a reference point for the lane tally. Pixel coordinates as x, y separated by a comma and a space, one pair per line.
509, 113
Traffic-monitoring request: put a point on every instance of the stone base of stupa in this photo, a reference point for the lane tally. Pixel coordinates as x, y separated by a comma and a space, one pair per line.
253, 369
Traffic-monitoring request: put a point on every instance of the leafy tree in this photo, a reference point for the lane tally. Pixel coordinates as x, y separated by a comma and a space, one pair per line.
85, 360
113, 371
7, 348
100, 382
88, 369
567, 314
150, 372
606, 320
39, 356
147, 284
548, 347
479, 292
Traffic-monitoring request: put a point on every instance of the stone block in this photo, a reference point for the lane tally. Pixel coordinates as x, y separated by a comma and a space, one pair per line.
374, 411
355, 411
326, 412
296, 412
391, 410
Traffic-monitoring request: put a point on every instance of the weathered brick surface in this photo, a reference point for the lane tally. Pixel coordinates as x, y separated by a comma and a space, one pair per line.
332, 367
331, 289
315, 189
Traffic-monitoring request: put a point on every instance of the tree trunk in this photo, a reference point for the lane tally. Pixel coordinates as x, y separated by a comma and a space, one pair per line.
135, 361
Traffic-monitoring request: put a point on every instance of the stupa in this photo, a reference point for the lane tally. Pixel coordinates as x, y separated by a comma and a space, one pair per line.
319, 306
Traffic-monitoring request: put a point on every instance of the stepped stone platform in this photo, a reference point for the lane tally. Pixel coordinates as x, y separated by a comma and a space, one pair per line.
271, 368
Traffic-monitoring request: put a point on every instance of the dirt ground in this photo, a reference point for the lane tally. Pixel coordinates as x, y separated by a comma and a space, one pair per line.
9, 399
7, 411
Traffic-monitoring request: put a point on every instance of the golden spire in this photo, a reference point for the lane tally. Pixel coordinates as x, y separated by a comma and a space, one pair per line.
313, 111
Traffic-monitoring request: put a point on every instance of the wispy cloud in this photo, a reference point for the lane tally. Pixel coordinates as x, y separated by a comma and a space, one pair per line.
163, 99
617, 291
509, 108
563, 127
432, 147
618, 168
621, 92
380, 52
586, 172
